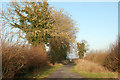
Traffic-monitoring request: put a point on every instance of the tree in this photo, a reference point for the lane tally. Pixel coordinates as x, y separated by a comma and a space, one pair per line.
42, 24
64, 33
81, 48
58, 53
34, 19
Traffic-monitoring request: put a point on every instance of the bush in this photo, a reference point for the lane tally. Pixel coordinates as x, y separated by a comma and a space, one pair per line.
36, 57
111, 61
17, 60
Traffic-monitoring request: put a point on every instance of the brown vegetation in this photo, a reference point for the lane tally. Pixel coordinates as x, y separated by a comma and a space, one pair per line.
88, 66
108, 59
97, 57
112, 60
91, 69
18, 59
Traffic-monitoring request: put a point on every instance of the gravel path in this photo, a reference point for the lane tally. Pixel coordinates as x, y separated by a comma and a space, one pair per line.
65, 72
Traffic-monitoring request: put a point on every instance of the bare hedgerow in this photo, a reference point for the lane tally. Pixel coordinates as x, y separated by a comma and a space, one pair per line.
16, 59
12, 60
112, 60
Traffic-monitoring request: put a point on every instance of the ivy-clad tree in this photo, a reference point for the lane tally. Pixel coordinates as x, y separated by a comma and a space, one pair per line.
34, 19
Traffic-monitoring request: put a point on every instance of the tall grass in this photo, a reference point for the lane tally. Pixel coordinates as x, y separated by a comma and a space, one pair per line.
18, 59
97, 56
88, 66
108, 59
91, 69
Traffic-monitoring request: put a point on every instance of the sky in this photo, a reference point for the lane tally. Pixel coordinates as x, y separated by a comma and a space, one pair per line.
97, 21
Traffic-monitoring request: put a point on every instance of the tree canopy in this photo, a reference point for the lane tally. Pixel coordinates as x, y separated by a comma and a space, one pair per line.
64, 33
34, 19
43, 24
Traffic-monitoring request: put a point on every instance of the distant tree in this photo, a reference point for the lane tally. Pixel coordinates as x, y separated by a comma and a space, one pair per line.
81, 48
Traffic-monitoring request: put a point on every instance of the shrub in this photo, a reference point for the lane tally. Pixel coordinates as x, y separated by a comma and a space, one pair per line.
111, 61
12, 60
17, 60
36, 57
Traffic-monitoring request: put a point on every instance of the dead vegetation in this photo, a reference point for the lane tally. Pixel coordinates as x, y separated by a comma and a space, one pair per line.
109, 59
88, 66
17, 59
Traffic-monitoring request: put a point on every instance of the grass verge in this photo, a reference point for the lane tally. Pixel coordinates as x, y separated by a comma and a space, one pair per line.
95, 74
42, 73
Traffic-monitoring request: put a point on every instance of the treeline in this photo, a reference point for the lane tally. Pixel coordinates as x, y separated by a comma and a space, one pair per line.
109, 59
40, 25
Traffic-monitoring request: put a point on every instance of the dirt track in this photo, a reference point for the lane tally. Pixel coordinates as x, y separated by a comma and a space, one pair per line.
65, 72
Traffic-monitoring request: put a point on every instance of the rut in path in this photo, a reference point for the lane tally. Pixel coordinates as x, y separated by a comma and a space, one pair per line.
65, 72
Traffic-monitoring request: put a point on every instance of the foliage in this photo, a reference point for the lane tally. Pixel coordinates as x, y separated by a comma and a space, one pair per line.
33, 18
41, 25
64, 25
59, 53
64, 33
81, 49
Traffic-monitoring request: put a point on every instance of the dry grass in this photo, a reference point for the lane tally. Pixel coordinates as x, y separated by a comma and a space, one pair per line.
109, 59
97, 57
89, 69
88, 66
